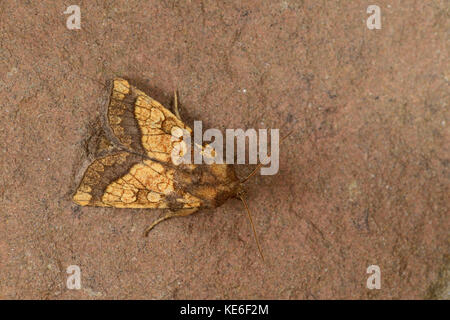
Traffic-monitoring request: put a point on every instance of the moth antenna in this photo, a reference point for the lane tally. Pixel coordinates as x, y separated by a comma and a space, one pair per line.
252, 173
253, 226
260, 164
175, 104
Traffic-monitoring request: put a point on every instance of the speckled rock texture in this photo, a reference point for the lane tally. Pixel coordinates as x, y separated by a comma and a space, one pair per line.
363, 180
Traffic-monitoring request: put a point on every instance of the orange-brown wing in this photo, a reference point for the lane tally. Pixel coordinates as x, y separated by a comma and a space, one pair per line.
141, 124
143, 175
126, 180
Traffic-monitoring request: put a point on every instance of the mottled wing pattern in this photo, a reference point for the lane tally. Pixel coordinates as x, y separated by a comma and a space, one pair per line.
141, 176
141, 123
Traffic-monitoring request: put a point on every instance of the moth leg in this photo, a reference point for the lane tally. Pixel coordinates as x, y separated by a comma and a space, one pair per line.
171, 214
175, 104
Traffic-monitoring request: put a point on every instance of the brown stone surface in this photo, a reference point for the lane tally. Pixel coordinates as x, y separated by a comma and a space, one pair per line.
363, 180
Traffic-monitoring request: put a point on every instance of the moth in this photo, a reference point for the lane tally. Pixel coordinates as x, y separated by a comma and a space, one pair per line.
137, 171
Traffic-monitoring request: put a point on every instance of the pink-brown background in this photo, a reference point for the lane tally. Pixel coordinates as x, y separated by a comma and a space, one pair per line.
364, 178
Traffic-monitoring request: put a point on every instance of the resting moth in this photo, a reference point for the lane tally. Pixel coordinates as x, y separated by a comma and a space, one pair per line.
138, 172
